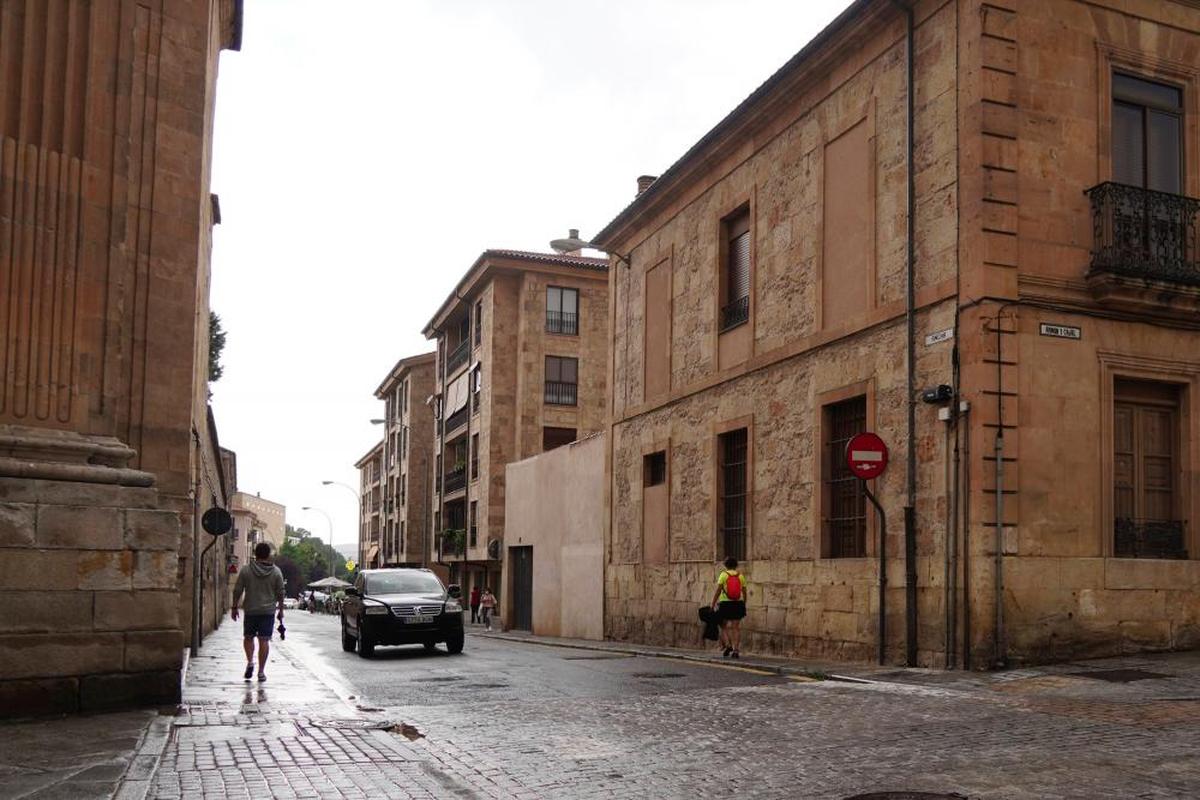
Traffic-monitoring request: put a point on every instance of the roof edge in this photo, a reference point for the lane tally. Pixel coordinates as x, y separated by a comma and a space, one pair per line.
401, 365
671, 178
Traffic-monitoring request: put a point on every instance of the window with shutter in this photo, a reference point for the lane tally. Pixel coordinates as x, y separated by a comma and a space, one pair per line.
1147, 134
1145, 456
735, 278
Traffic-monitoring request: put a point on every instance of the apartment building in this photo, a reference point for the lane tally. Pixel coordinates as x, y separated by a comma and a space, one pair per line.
370, 507
522, 348
255, 519
1008, 298
406, 475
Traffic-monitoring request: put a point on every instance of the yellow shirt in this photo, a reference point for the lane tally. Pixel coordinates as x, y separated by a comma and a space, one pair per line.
723, 579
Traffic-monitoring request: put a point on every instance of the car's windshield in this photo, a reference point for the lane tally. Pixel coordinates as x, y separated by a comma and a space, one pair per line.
403, 583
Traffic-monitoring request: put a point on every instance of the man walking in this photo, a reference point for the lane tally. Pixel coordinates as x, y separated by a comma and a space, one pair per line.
262, 584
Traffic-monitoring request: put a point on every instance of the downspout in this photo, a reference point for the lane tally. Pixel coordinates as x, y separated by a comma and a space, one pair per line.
197, 586
966, 551
910, 533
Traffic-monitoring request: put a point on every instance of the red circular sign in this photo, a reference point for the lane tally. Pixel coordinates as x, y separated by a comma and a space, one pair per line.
866, 456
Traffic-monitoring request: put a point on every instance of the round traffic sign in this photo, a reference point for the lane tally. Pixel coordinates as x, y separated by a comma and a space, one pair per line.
866, 456
216, 521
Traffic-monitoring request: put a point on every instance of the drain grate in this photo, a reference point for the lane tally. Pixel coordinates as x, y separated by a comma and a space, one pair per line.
659, 675
1120, 675
908, 796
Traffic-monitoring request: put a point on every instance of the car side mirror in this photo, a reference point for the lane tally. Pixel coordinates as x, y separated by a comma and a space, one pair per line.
352, 592
455, 591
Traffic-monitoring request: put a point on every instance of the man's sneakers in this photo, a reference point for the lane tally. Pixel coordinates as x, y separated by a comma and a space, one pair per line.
725, 654
249, 673
262, 676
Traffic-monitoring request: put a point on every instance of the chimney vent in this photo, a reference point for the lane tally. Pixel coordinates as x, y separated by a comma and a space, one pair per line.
644, 182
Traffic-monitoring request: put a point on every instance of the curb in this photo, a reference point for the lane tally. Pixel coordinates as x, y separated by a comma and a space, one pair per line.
135, 783
776, 669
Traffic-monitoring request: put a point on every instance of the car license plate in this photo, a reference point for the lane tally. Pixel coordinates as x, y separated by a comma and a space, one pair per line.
421, 620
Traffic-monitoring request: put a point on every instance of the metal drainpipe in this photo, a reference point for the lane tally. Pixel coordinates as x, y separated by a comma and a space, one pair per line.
910, 533
966, 552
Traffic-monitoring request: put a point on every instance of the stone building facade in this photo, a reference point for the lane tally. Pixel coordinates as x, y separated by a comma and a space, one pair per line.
370, 507
1053, 484
522, 349
405, 464
105, 227
256, 519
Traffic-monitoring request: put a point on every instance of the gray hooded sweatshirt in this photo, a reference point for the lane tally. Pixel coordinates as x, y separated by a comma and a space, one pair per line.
263, 586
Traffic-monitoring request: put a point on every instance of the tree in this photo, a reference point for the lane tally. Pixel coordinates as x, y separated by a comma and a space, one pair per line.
216, 344
292, 576
311, 555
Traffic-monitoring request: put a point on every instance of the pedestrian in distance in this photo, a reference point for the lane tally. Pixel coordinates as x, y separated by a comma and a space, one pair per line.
729, 601
475, 604
262, 584
487, 605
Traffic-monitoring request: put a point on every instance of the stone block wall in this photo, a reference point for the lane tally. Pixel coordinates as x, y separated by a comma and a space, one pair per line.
89, 584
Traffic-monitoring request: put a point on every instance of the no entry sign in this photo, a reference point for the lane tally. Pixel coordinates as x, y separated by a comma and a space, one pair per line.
866, 456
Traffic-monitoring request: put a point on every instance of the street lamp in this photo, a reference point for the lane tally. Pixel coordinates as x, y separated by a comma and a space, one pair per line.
573, 243
329, 519
357, 522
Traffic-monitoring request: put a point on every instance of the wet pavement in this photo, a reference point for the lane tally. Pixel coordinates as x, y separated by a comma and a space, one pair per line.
510, 719
516, 717
81, 757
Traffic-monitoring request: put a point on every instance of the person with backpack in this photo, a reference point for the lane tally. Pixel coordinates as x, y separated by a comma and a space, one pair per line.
729, 601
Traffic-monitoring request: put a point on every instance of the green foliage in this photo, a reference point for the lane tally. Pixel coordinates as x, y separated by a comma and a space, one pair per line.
216, 344
310, 556
453, 541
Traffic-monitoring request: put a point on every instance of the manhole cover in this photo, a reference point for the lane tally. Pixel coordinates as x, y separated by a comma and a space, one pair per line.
1120, 675
658, 675
908, 796
352, 723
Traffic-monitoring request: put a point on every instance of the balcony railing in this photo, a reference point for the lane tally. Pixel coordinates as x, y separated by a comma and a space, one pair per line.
456, 479
562, 322
458, 357
562, 394
457, 419
1141, 233
735, 313
1137, 538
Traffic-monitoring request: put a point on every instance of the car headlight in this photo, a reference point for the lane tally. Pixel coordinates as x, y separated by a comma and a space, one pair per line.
452, 607
375, 610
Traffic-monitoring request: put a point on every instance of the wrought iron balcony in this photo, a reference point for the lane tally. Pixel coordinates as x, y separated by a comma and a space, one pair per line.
456, 479
735, 313
457, 420
458, 357
1144, 234
562, 322
559, 393
1136, 538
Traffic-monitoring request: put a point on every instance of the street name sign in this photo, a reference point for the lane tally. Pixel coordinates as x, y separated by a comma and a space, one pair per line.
866, 456
1060, 331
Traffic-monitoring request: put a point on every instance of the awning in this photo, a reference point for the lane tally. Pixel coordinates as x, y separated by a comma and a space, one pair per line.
371, 553
456, 394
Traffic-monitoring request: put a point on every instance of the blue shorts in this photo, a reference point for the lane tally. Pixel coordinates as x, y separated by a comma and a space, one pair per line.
259, 625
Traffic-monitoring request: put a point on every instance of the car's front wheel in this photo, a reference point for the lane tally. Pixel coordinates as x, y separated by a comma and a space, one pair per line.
366, 645
348, 641
454, 643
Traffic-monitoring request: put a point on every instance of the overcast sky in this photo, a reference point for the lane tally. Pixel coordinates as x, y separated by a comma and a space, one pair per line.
366, 152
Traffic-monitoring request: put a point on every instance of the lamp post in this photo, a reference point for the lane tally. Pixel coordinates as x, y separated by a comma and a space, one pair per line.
573, 243
329, 519
357, 522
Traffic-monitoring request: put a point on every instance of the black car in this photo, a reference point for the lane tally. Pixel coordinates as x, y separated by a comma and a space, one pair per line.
400, 606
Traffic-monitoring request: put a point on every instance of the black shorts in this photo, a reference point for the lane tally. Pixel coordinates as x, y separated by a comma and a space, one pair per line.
732, 609
258, 626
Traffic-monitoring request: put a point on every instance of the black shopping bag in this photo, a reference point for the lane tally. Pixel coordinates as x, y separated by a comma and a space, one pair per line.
712, 628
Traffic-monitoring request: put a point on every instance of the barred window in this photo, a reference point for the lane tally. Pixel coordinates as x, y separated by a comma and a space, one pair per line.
845, 503
733, 491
